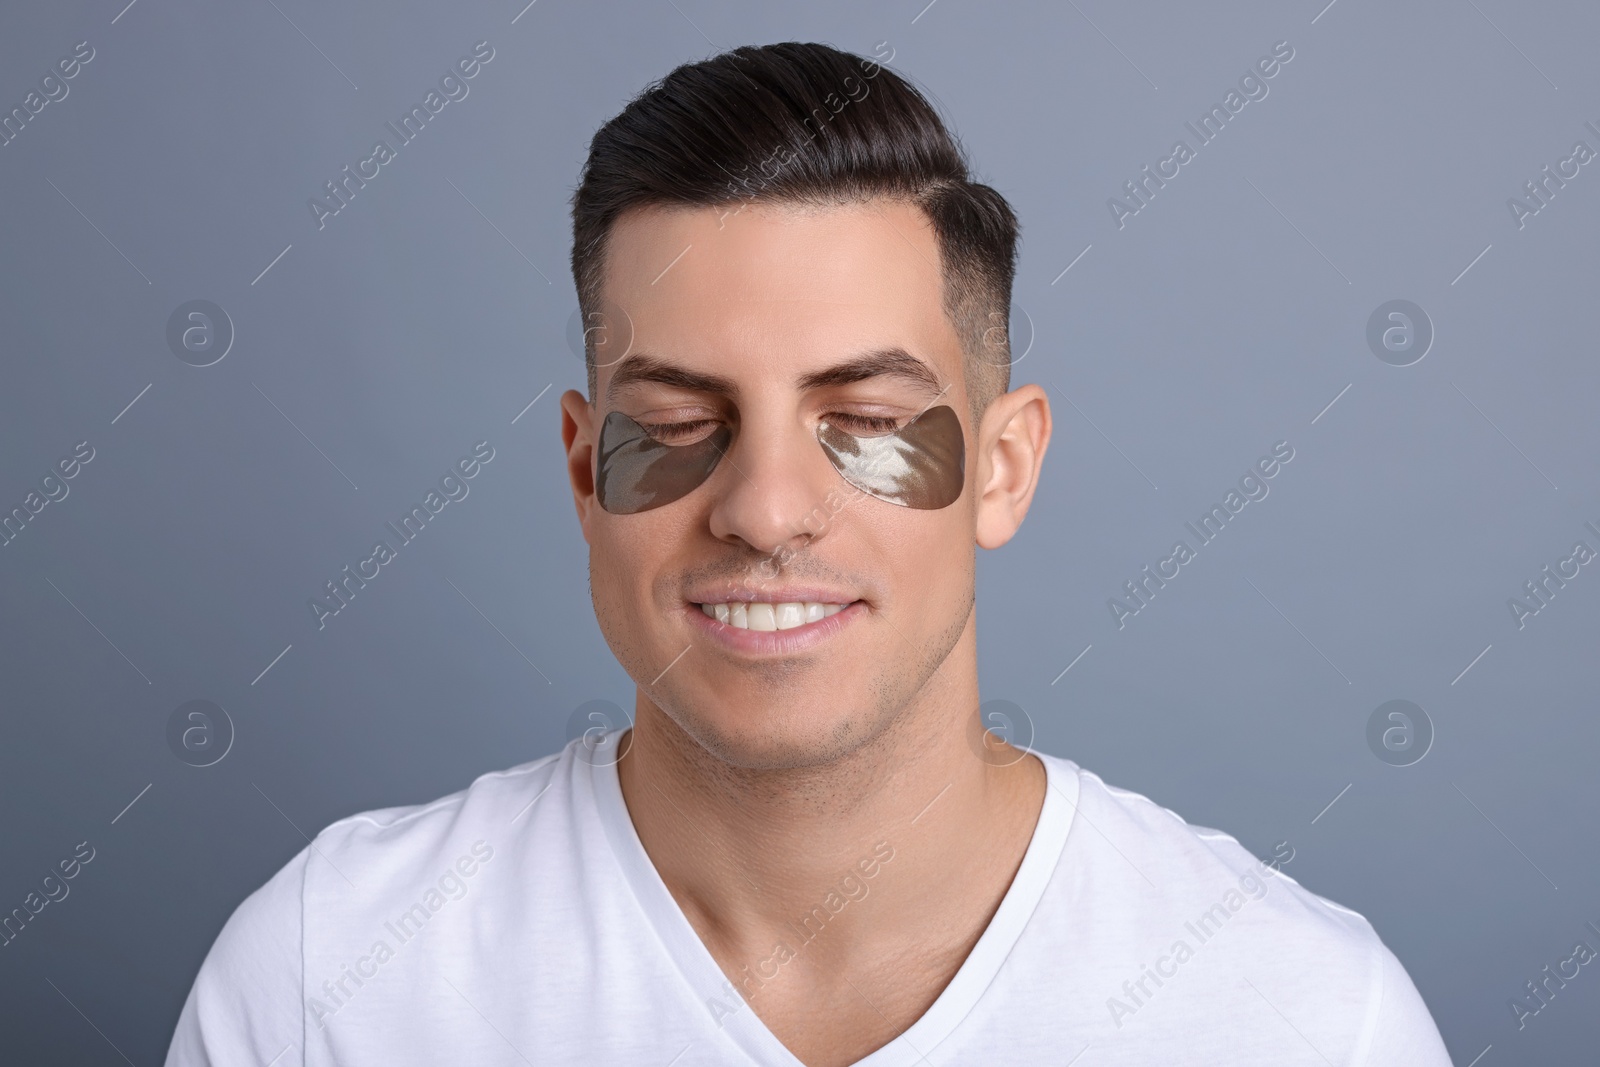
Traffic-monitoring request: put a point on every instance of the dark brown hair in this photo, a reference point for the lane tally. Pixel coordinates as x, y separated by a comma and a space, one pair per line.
803, 123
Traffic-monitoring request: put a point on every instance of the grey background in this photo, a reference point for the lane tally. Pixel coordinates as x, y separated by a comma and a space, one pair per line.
425, 316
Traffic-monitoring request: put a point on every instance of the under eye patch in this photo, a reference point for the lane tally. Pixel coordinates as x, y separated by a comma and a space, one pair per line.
920, 465
636, 472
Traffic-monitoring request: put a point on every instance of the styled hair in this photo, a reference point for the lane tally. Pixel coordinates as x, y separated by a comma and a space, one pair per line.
804, 124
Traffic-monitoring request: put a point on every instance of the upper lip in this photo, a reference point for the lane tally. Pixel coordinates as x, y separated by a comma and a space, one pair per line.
788, 595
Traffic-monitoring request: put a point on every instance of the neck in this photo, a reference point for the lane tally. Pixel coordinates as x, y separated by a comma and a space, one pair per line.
748, 854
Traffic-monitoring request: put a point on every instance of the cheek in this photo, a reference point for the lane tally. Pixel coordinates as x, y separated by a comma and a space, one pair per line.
929, 554
631, 559
626, 553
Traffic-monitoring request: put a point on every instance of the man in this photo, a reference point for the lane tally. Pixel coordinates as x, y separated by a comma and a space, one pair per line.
805, 850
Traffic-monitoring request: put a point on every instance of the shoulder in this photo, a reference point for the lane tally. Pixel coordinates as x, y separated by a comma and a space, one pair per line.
1178, 865
248, 992
389, 842
1164, 892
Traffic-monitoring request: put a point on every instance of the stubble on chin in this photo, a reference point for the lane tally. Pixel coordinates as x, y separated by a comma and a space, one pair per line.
809, 721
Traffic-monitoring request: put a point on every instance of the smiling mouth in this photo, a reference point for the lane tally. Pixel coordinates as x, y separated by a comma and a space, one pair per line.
759, 615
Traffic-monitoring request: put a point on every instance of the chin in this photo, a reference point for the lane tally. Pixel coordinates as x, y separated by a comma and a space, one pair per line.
774, 733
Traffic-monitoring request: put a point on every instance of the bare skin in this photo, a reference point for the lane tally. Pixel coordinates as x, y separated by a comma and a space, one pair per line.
761, 779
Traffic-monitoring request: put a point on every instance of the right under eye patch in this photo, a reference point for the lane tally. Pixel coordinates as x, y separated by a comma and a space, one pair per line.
636, 472
922, 465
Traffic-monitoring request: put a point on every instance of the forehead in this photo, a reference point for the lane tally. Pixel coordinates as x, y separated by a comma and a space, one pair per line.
765, 292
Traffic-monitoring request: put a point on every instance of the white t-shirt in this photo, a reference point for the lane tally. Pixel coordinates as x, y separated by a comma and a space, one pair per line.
520, 921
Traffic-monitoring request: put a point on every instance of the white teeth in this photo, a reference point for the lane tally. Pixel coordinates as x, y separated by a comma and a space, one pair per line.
765, 616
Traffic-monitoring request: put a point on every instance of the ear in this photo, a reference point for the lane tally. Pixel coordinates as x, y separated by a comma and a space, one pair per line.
1012, 439
577, 435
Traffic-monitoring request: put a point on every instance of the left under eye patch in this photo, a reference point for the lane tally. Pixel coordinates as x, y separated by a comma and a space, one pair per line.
636, 472
921, 465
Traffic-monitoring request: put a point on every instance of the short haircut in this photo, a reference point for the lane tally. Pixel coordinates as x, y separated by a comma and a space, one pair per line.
799, 123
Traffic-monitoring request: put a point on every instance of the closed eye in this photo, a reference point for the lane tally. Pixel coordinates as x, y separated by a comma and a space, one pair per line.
862, 425
679, 433
683, 433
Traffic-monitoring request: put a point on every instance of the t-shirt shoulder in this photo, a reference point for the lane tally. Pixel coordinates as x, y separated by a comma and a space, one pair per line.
1163, 848
1157, 880
409, 825
247, 995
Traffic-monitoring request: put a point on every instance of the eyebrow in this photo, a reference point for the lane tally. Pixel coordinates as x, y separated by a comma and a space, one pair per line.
891, 362
642, 367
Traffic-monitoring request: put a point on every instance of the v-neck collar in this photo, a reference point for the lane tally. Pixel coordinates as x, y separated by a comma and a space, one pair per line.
743, 1026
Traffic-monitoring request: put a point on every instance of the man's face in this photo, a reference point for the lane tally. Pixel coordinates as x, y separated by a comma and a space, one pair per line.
730, 318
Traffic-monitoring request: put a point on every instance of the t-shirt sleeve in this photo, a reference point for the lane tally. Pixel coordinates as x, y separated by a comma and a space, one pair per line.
1404, 1034
245, 1004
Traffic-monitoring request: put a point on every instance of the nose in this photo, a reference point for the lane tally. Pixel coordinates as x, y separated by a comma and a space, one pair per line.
775, 495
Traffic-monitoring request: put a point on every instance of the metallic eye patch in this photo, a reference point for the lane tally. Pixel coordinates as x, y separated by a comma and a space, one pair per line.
921, 465
636, 472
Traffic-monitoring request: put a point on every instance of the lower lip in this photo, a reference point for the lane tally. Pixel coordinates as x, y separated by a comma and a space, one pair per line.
786, 642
